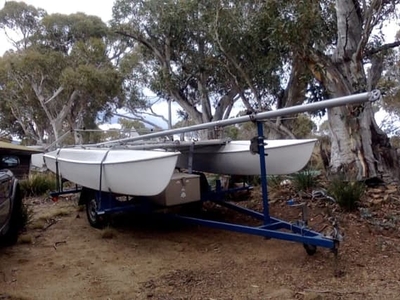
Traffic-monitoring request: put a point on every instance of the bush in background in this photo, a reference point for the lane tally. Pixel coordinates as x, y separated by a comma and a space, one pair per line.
347, 193
305, 180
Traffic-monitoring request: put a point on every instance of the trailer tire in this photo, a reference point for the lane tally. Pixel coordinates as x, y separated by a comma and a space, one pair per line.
95, 220
310, 249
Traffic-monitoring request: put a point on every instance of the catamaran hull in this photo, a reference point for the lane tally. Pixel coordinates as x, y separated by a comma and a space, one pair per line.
129, 172
235, 158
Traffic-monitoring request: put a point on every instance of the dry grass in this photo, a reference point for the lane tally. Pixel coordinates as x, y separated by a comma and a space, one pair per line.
38, 224
56, 212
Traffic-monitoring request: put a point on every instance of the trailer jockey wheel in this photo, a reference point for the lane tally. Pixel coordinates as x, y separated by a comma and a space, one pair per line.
310, 249
93, 217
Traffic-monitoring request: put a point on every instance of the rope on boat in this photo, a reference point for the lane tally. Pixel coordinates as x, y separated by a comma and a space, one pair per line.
101, 173
57, 171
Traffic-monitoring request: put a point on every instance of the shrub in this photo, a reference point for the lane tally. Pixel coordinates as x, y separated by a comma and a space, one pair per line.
305, 180
37, 184
347, 193
254, 180
275, 182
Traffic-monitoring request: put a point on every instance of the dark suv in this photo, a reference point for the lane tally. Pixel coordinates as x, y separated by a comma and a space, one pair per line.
10, 201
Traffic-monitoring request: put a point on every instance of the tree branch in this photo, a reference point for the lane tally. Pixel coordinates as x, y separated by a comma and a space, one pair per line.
375, 72
60, 89
142, 119
369, 25
280, 128
155, 115
239, 89
172, 90
384, 47
325, 70
194, 113
205, 100
41, 99
246, 102
223, 104
228, 110
144, 43
137, 117
295, 88
235, 64
67, 107
10, 40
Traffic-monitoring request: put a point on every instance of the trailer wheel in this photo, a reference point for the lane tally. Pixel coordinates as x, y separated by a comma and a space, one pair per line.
93, 217
310, 249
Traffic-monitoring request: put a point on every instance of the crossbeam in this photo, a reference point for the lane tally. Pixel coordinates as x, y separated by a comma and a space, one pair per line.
372, 96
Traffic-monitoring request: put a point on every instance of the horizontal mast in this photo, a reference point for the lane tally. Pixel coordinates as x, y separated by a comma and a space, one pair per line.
352, 99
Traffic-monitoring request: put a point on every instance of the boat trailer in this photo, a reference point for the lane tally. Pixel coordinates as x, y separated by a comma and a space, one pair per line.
100, 204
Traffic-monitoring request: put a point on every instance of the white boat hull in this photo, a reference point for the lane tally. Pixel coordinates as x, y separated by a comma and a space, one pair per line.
129, 172
235, 158
37, 161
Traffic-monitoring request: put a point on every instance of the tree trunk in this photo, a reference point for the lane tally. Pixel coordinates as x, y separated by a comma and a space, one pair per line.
358, 147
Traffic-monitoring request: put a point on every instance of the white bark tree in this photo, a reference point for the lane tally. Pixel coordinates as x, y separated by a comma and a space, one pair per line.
359, 147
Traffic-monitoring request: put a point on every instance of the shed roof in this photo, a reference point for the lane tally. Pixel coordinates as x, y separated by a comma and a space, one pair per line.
18, 148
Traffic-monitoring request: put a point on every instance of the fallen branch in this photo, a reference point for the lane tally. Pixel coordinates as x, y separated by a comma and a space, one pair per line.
52, 222
329, 292
58, 243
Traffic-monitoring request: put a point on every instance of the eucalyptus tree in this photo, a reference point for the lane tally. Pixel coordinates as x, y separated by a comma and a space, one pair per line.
61, 74
19, 22
205, 55
336, 39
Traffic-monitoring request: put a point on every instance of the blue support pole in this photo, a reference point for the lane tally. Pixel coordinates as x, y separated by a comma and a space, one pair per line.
263, 172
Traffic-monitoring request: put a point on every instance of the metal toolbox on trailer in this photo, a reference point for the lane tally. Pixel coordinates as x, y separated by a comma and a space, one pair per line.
183, 188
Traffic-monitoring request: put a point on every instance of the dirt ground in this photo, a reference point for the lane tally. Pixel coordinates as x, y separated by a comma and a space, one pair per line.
61, 256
